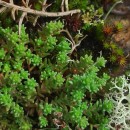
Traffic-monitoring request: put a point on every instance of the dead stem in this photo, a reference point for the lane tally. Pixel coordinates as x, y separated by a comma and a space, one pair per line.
38, 13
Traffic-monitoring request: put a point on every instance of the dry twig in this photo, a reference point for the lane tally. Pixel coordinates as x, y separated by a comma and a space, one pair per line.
13, 11
39, 13
43, 9
79, 42
66, 5
21, 20
27, 9
69, 35
62, 6
72, 41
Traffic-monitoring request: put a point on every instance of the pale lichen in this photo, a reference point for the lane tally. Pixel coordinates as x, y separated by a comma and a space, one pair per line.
120, 96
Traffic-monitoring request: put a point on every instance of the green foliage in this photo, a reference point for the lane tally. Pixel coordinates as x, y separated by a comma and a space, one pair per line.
2, 53
73, 4
5, 19
113, 52
53, 28
119, 26
77, 4
38, 88
38, 6
47, 108
56, 6
92, 17
43, 122
116, 53
96, 111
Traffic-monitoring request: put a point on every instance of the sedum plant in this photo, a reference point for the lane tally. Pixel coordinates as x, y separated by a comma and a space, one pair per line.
42, 86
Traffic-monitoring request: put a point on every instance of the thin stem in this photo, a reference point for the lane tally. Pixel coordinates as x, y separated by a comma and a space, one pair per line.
21, 20
69, 35
66, 5
79, 42
62, 6
43, 9
31, 68
91, 127
118, 2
